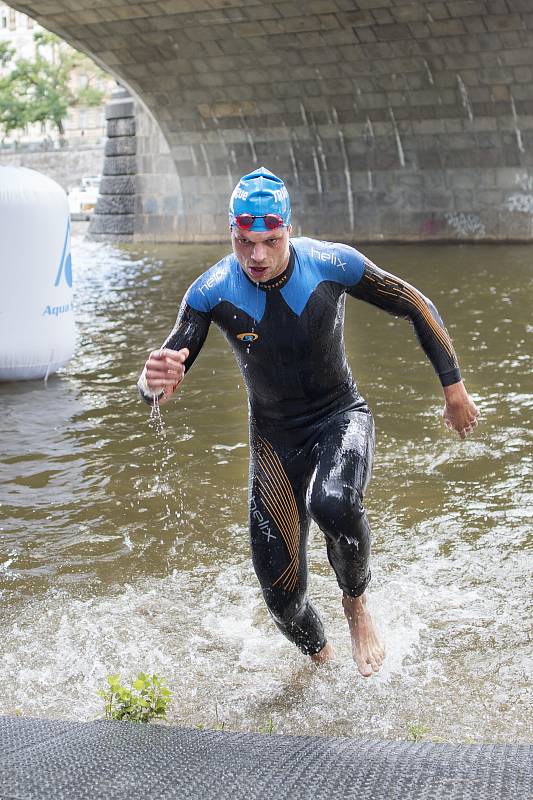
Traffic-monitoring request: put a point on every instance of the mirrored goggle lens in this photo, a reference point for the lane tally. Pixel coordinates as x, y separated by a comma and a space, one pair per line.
244, 220
273, 221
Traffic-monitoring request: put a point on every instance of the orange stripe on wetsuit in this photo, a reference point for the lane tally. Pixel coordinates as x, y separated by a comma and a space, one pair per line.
278, 498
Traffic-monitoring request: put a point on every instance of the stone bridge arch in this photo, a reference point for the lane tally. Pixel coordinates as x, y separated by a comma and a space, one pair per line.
389, 119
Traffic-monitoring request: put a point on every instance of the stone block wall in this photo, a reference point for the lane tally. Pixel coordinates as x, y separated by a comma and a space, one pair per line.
158, 199
66, 166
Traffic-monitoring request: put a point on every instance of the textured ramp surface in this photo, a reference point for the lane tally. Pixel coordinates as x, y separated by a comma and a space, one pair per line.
52, 760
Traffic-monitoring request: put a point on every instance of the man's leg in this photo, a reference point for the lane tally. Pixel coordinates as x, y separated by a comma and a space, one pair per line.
279, 524
343, 465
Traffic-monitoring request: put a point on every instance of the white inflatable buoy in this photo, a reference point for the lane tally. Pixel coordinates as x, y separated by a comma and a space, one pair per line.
37, 332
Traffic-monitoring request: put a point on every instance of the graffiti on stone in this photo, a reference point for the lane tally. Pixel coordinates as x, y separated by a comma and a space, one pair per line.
465, 226
520, 202
524, 181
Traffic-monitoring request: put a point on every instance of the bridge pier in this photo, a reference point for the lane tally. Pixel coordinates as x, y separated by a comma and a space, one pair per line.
113, 218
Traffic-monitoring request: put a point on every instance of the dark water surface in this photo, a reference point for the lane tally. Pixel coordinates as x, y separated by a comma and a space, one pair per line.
122, 549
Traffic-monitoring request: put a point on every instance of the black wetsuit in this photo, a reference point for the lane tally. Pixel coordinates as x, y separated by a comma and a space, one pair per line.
311, 432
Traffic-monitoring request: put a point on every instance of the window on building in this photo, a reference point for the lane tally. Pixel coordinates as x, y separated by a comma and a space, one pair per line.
12, 19
3, 22
82, 81
29, 22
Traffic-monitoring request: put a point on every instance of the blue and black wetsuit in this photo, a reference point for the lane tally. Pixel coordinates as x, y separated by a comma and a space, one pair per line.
311, 432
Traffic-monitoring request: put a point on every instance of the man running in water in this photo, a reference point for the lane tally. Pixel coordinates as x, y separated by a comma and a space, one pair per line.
280, 303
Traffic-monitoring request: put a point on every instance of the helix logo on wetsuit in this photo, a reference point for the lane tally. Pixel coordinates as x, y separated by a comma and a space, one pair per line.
247, 337
322, 255
264, 523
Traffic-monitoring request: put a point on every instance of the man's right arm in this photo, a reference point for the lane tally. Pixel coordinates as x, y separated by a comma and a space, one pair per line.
165, 368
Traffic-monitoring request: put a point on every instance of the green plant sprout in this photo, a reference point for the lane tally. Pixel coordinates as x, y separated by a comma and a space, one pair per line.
147, 698
269, 727
417, 731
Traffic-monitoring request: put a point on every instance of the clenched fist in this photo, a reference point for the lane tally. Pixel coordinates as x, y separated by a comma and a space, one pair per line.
164, 370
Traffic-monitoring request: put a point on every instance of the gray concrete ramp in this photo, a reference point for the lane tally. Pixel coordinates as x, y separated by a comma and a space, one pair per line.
55, 760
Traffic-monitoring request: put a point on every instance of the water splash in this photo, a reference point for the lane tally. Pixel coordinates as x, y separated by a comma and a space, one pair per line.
156, 418
163, 455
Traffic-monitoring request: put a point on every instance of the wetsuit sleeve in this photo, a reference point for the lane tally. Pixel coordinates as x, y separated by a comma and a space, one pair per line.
190, 331
398, 297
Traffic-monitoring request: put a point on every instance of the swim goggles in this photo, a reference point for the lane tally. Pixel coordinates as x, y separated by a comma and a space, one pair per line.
272, 221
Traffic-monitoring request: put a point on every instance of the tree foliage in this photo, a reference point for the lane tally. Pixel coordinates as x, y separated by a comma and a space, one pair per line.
40, 89
6, 54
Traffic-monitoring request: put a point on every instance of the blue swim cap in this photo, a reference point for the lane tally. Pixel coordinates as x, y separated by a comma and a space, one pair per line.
259, 193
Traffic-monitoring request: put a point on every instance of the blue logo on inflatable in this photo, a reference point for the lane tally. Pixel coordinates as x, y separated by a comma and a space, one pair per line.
55, 311
65, 265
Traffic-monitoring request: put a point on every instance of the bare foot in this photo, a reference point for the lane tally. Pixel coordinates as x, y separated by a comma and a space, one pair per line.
323, 656
367, 648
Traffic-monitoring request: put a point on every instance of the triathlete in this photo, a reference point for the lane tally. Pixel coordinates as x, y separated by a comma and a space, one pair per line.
280, 303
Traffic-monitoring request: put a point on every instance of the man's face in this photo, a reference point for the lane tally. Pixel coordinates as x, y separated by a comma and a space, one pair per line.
263, 255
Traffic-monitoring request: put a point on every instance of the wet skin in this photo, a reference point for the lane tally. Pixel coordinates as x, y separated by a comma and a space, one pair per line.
263, 256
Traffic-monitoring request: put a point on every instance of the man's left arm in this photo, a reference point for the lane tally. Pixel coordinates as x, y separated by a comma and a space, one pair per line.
398, 297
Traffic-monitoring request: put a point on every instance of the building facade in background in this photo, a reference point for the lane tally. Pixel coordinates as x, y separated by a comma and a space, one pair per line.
84, 125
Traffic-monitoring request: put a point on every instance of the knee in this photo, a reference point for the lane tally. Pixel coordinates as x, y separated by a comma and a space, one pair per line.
336, 509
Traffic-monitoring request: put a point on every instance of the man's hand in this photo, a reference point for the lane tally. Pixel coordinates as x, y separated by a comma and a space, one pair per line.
165, 370
460, 412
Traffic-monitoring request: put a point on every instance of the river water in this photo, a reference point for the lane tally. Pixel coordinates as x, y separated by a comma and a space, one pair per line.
123, 549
